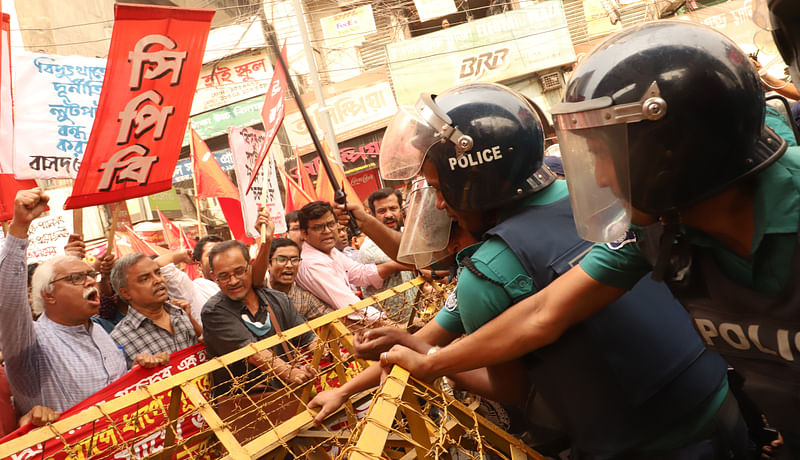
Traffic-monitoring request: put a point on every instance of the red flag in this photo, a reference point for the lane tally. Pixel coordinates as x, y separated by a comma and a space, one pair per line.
172, 233
9, 186
296, 198
212, 182
324, 187
271, 114
126, 241
6, 99
304, 178
153, 64
188, 243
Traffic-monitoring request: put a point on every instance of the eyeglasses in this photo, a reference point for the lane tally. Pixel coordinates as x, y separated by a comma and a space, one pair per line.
331, 225
283, 259
78, 278
238, 273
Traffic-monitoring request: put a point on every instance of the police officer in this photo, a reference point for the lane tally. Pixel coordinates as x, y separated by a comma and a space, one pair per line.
663, 125
634, 380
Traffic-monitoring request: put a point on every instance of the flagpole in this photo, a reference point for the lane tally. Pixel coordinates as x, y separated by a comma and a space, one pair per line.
77, 221
338, 194
194, 181
111, 231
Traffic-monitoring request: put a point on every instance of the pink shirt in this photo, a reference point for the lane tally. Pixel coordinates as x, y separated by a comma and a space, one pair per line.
327, 276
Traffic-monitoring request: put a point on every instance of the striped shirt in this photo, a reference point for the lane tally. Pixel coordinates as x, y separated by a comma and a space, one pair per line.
137, 333
48, 363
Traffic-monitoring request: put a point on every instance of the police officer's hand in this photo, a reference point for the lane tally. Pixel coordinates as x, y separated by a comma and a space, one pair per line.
372, 342
75, 246
28, 205
300, 374
417, 364
327, 402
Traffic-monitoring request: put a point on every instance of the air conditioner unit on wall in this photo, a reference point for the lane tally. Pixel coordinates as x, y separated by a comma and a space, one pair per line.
550, 81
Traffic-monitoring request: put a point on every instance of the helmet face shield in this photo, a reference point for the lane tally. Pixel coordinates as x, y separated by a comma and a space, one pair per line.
593, 139
427, 230
405, 143
596, 167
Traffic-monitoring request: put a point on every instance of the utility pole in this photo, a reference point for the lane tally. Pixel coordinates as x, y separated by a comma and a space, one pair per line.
323, 117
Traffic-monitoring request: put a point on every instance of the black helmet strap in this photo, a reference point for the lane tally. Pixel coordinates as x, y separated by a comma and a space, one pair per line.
670, 227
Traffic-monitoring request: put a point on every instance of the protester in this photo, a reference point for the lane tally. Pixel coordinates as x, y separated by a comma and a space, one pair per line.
325, 271
199, 290
62, 358
634, 381
153, 327
284, 259
293, 227
241, 314
386, 205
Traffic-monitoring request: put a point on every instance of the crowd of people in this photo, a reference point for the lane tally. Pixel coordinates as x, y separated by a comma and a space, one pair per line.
642, 308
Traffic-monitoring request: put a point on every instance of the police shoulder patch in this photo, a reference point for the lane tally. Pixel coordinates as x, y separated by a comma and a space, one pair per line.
451, 302
628, 237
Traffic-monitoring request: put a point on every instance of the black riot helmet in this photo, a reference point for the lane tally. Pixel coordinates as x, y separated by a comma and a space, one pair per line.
659, 117
485, 140
784, 21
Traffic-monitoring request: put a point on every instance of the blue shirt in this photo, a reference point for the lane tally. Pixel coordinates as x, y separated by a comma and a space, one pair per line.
47, 363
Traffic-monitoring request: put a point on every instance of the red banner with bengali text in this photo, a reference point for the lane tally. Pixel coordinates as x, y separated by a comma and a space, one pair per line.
153, 65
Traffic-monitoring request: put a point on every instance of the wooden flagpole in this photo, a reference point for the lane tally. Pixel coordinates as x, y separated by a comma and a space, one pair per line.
112, 231
77, 221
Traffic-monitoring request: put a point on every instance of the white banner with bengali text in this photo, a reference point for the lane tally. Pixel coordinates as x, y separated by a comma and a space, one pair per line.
55, 99
245, 143
47, 237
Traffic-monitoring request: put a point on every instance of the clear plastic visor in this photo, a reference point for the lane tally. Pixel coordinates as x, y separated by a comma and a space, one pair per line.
426, 232
405, 143
596, 167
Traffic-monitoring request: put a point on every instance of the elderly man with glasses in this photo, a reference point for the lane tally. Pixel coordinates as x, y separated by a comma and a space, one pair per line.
325, 271
64, 357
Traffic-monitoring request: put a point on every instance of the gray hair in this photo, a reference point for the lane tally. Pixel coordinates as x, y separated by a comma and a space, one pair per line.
119, 277
42, 281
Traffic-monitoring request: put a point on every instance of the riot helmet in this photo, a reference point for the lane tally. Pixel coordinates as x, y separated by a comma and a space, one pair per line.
784, 22
659, 117
485, 140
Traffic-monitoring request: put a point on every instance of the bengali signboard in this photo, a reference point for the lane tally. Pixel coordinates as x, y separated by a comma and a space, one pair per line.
56, 99
348, 28
496, 48
357, 111
232, 80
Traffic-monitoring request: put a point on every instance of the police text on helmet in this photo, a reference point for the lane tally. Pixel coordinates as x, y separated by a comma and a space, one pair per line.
475, 158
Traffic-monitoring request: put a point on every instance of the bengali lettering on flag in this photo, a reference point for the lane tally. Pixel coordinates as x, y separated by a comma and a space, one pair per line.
151, 75
100, 439
245, 144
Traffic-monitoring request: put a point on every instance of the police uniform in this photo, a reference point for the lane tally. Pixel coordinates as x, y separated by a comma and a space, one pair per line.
599, 379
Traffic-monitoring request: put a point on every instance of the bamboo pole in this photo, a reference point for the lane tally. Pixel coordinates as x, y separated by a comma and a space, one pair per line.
113, 229
77, 221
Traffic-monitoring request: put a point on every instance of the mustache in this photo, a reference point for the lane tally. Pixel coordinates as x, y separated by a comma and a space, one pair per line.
159, 286
89, 291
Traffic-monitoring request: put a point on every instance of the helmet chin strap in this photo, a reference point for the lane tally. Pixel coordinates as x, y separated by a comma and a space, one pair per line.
671, 227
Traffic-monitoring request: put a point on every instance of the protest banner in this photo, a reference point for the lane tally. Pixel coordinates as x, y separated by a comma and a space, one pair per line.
52, 127
101, 436
47, 237
153, 65
245, 144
